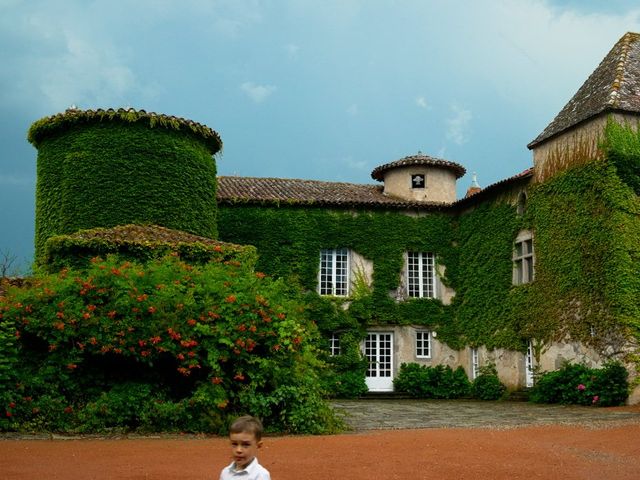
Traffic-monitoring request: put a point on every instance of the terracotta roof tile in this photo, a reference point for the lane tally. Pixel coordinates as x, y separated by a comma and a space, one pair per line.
418, 159
613, 86
310, 192
494, 187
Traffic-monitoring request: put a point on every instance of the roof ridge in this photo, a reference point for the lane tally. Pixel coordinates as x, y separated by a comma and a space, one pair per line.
612, 86
242, 177
625, 45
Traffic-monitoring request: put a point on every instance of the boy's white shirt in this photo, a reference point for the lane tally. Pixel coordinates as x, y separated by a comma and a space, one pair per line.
254, 471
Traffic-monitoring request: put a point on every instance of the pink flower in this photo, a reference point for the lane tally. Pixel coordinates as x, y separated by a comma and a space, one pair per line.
581, 387
595, 399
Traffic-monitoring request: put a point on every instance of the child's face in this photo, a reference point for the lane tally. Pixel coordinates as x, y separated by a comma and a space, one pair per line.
244, 448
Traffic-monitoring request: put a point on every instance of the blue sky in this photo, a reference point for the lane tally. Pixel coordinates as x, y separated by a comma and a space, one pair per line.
324, 89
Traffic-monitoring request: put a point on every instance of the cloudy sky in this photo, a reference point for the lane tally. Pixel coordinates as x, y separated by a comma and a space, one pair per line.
314, 89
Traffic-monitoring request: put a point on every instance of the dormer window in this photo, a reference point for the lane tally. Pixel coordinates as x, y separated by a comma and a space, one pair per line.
417, 180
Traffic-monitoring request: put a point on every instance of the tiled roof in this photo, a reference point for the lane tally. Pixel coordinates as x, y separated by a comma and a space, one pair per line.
613, 86
494, 187
282, 191
142, 234
310, 192
418, 159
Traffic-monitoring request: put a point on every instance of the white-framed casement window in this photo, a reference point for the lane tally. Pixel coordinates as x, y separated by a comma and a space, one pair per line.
334, 345
334, 272
475, 363
523, 259
528, 365
421, 275
423, 344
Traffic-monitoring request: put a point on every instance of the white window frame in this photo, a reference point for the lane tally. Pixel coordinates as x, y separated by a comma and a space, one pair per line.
421, 283
423, 344
523, 259
334, 345
528, 365
334, 272
475, 363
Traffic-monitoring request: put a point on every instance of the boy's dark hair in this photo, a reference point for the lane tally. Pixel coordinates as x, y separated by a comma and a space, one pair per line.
247, 424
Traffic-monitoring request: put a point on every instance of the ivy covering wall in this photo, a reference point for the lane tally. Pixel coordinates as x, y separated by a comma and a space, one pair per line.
586, 228
289, 240
481, 275
587, 224
102, 171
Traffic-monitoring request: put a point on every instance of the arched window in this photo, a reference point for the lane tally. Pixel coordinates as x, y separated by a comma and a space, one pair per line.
522, 203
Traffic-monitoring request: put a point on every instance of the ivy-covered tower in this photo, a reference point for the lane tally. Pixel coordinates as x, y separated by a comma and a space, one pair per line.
102, 168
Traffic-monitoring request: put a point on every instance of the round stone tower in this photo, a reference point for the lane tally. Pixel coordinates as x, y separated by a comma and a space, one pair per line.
420, 178
102, 168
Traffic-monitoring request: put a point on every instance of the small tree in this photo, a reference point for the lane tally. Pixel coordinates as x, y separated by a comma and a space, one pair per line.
7, 264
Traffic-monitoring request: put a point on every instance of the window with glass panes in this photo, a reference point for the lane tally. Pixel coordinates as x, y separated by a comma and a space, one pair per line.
475, 364
523, 260
334, 345
421, 274
334, 272
423, 344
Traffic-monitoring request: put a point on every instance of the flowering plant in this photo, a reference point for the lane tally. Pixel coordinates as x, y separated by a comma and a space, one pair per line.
579, 384
200, 342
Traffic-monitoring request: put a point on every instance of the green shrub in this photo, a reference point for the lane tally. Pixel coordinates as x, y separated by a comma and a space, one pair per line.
578, 384
487, 385
140, 243
345, 377
159, 346
440, 381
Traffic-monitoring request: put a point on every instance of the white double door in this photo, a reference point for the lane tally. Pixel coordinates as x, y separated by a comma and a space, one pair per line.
378, 350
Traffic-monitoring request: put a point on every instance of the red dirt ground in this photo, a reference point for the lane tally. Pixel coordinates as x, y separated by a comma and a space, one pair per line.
548, 452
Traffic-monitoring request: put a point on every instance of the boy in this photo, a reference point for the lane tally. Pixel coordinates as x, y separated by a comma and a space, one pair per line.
245, 435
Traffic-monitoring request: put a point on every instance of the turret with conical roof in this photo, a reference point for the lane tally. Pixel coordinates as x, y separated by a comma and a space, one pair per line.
612, 90
420, 178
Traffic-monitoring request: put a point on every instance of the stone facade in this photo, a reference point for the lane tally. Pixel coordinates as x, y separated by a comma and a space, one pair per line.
574, 146
439, 184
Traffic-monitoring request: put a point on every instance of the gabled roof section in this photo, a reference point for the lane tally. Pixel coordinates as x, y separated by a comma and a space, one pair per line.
418, 159
613, 86
494, 188
279, 191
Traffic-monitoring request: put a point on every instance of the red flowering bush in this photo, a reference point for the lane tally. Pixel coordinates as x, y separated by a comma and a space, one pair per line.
159, 346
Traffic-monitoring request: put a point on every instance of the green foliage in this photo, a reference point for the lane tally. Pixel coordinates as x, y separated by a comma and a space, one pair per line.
587, 258
578, 384
482, 278
48, 126
346, 379
586, 226
422, 381
622, 150
141, 243
103, 174
162, 345
291, 250
487, 385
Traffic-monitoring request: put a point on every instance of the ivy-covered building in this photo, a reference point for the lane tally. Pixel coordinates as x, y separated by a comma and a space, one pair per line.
531, 272
528, 273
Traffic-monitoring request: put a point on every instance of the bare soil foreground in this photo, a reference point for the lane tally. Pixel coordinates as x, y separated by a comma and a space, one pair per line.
547, 452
